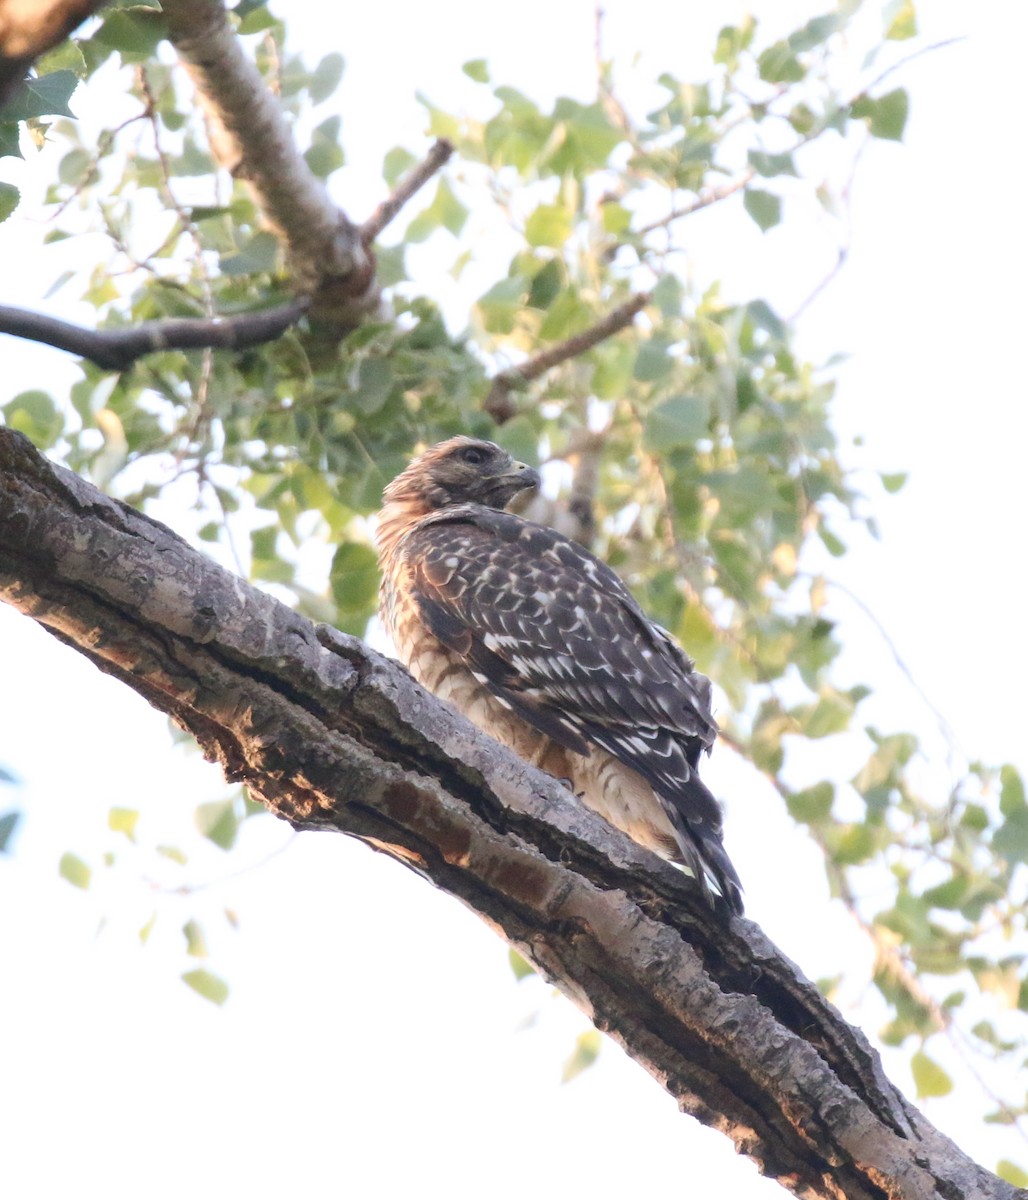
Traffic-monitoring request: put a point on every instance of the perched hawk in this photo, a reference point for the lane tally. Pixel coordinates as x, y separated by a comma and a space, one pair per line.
542, 646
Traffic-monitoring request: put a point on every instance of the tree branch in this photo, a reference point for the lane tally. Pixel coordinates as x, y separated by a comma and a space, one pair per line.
415, 179
251, 138
116, 349
332, 736
498, 403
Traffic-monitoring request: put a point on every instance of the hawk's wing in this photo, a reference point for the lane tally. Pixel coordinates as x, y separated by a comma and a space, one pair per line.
557, 636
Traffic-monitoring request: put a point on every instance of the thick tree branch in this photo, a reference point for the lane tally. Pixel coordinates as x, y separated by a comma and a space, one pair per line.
328, 258
116, 349
499, 403
332, 736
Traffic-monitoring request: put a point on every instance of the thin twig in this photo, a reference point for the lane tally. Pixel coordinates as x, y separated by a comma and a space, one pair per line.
705, 197
498, 403
116, 349
943, 725
415, 179
902, 62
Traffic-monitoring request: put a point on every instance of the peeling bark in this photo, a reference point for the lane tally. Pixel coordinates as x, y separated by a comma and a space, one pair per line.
331, 735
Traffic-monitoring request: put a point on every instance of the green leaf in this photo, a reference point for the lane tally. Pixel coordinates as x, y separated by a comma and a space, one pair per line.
326, 77
44, 96
816, 32
521, 968
1011, 795
397, 163
652, 362
549, 225
830, 713
207, 985
147, 929
217, 821
66, 56
10, 140
546, 285
35, 415
134, 32
587, 1050
520, 439
325, 155
929, 1078
123, 820
778, 64
173, 853
764, 316
900, 20
1012, 1173
354, 577
254, 16
668, 295
9, 197
259, 254
850, 844
769, 165
887, 116
445, 210
680, 421
892, 481
477, 70
196, 943
374, 383
1010, 841
8, 824
499, 307
812, 804
616, 218
74, 870
764, 207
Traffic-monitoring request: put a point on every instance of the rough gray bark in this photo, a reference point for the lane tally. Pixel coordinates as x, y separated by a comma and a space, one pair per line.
332, 736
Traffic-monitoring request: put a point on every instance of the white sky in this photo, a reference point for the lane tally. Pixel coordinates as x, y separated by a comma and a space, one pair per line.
372, 1041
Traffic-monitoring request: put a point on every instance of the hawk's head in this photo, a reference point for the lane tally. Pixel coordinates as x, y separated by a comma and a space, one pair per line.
462, 471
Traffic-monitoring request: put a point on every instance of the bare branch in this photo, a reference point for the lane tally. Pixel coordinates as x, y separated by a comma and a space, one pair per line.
329, 735
251, 137
116, 349
498, 403
415, 179
705, 197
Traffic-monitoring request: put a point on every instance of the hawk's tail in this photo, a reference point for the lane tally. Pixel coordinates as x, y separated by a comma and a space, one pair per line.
697, 821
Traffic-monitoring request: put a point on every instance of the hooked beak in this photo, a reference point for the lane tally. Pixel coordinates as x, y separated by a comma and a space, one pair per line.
523, 476
520, 477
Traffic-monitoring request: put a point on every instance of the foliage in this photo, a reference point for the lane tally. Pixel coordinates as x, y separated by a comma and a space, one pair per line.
721, 489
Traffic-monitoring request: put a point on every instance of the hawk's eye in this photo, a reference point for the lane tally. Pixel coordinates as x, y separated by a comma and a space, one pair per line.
475, 455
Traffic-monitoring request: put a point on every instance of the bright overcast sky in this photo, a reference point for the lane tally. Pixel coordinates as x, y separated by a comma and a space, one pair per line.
373, 1042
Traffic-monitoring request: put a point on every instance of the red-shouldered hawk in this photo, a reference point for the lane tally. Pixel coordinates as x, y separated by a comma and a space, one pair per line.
542, 646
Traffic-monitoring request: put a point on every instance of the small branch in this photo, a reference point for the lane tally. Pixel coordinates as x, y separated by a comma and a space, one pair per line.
705, 197
498, 403
907, 59
116, 349
412, 182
